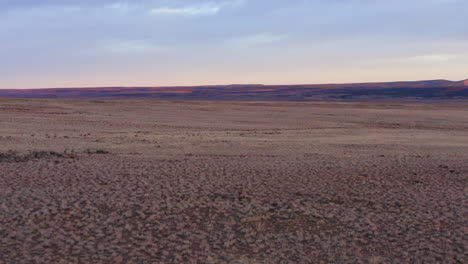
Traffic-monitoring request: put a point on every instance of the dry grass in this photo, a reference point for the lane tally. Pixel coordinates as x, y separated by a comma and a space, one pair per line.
219, 182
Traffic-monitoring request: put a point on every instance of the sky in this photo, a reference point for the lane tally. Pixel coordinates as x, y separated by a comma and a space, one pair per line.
90, 43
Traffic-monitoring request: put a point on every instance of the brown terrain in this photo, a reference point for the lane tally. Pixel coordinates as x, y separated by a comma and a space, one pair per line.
94, 181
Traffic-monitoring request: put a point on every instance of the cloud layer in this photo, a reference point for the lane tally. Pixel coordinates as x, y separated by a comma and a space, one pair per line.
164, 42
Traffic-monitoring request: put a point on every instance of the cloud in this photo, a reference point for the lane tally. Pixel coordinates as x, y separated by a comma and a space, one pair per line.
122, 7
259, 39
196, 10
131, 47
155, 7
199, 9
436, 58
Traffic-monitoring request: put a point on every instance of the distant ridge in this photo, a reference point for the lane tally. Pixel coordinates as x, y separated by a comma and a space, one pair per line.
420, 90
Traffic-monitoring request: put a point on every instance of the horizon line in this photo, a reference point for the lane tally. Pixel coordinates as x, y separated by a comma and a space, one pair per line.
232, 84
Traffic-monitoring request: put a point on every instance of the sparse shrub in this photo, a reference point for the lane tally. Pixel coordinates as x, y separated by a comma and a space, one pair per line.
13, 156
98, 151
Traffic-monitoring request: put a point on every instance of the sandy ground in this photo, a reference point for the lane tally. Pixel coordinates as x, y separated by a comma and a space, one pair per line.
224, 182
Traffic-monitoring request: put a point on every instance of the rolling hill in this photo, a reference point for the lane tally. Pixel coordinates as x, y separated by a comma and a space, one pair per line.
417, 90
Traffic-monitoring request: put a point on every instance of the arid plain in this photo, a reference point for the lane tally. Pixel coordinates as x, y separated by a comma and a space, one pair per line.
146, 181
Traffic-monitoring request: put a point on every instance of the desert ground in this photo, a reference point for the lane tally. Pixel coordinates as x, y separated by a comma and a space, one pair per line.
89, 181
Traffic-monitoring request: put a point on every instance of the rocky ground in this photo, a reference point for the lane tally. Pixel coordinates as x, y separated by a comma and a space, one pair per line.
213, 182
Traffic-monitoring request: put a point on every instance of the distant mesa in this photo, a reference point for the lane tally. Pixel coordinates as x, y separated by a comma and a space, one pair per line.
418, 90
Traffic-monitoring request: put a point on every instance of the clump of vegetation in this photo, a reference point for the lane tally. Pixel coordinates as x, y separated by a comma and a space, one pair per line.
14, 156
97, 151
7, 156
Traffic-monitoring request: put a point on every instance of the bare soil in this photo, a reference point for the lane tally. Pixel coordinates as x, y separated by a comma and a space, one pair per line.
232, 182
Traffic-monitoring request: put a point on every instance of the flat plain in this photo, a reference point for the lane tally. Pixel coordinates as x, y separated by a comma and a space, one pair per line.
96, 181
